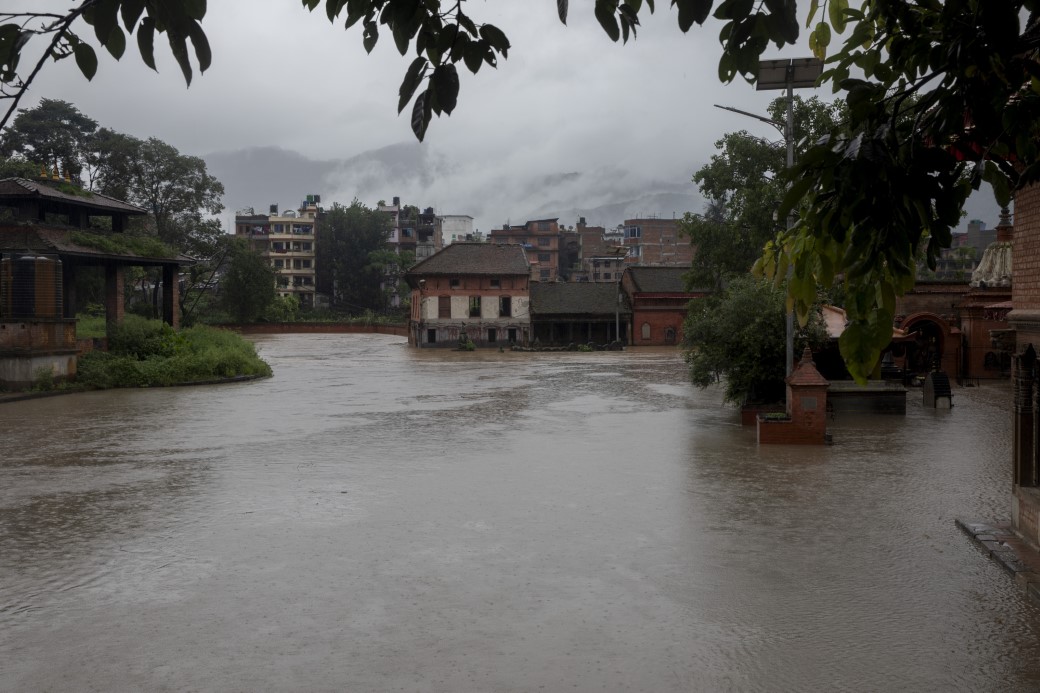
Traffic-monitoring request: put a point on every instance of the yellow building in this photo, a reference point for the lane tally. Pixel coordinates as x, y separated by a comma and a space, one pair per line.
287, 241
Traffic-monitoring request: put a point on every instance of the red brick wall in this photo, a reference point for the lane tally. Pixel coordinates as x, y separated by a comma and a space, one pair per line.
659, 321
786, 433
1025, 282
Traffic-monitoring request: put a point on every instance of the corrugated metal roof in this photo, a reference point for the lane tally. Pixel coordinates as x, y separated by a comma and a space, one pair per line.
475, 258
577, 298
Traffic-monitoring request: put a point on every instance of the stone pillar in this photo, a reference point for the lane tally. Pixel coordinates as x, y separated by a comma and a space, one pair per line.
807, 399
1023, 419
171, 296
114, 308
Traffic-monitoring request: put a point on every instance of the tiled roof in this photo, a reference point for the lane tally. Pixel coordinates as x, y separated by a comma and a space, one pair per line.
45, 240
23, 188
475, 258
659, 280
576, 298
805, 372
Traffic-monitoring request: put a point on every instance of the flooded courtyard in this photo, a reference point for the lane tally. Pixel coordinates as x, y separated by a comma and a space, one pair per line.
377, 518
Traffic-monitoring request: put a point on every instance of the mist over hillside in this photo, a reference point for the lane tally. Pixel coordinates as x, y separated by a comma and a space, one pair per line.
260, 176
493, 195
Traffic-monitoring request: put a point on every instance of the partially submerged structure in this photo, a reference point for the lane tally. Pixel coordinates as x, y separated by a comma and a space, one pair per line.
50, 229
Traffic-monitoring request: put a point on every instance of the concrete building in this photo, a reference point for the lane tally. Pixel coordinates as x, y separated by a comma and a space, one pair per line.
287, 241
540, 238
477, 292
657, 243
457, 228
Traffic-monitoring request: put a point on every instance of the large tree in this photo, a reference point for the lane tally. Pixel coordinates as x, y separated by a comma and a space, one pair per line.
349, 256
743, 186
247, 287
738, 336
54, 133
942, 96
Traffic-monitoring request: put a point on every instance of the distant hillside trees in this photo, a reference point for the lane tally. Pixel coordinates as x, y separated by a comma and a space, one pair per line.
349, 257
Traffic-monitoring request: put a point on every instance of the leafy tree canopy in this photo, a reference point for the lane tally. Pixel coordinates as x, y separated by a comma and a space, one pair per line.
247, 287
349, 260
743, 186
941, 96
738, 336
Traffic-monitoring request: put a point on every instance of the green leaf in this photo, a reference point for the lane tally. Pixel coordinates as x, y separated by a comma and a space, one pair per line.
495, 38
836, 13
814, 7
446, 85
201, 43
370, 36
421, 114
605, 15
412, 79
474, 56
179, 48
105, 19
131, 11
146, 41
86, 59
561, 9
195, 9
116, 43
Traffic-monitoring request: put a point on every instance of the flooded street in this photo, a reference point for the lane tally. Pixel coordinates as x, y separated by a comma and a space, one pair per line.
377, 518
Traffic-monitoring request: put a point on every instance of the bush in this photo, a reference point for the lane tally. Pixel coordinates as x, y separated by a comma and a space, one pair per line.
153, 355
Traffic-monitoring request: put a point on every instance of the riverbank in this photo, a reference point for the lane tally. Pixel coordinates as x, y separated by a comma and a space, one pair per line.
1011, 552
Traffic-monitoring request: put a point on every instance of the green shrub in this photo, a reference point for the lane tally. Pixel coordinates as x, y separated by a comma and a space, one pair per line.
153, 355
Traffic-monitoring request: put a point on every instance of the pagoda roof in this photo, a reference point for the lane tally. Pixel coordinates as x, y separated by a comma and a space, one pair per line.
88, 245
63, 193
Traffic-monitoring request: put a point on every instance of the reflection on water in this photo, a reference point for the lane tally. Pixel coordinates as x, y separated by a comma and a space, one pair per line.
379, 518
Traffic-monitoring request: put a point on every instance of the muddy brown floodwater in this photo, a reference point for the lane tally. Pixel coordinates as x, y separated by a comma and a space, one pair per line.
375, 518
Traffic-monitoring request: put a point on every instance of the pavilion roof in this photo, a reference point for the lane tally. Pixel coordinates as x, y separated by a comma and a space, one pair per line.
60, 192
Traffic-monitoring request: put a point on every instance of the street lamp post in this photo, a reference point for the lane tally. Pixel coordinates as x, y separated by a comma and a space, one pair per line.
785, 73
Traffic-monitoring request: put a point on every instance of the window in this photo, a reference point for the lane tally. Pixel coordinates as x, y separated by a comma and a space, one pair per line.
407, 233
444, 307
544, 274
306, 264
454, 282
279, 264
544, 257
505, 306
496, 283
633, 232
279, 228
544, 241
512, 334
306, 247
646, 330
431, 336
492, 335
297, 264
669, 335
474, 306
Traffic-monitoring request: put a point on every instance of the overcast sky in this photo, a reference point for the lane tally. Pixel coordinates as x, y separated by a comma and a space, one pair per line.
566, 100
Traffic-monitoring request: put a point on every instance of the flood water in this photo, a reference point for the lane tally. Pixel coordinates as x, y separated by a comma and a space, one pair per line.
376, 518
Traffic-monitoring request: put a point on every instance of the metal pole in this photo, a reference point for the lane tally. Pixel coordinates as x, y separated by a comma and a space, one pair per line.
789, 136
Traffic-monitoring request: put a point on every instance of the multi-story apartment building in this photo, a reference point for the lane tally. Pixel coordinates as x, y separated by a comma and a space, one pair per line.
458, 227
541, 239
657, 243
287, 241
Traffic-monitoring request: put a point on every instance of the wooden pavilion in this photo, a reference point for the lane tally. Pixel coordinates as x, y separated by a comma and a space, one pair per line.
50, 228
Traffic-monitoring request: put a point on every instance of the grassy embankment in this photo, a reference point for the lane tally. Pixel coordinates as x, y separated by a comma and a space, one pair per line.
149, 353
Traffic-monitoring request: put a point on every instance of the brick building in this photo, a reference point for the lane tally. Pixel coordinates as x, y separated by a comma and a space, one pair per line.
541, 240
659, 302
1024, 319
657, 243
474, 291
